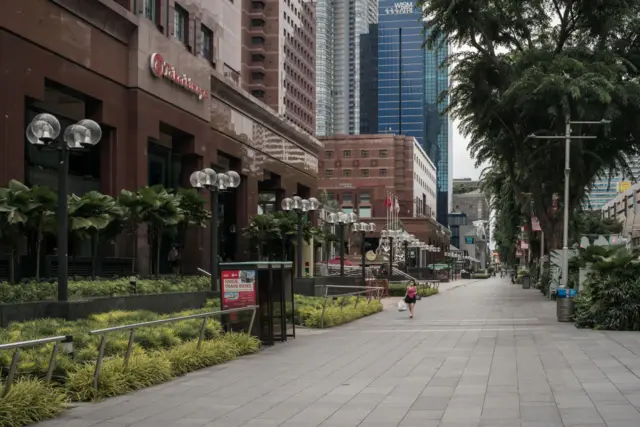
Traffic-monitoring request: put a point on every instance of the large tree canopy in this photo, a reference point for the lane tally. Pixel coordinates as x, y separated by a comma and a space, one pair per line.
526, 66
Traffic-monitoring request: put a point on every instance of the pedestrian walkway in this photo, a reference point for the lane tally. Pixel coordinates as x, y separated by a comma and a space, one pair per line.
486, 354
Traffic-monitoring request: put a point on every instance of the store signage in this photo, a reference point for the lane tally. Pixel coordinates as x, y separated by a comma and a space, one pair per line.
161, 68
238, 288
400, 8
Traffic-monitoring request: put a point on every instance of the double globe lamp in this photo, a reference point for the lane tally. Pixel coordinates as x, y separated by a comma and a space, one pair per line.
43, 132
300, 206
215, 183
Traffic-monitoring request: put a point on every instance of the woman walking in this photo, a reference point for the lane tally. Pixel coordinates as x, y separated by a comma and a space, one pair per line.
410, 297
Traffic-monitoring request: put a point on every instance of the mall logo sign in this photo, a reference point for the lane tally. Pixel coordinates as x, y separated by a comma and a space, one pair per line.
161, 68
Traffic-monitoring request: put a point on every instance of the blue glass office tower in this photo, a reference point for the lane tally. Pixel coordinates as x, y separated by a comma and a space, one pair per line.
409, 84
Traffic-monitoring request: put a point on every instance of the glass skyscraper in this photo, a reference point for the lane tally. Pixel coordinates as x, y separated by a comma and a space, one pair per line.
409, 84
339, 27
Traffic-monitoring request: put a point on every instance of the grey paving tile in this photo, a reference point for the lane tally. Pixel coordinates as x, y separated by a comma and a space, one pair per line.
488, 354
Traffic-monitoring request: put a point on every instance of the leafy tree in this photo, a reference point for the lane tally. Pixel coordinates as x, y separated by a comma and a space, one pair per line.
41, 218
161, 212
95, 217
15, 204
261, 231
531, 65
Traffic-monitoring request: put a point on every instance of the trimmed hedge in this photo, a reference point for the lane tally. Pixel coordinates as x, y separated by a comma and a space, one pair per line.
309, 310
399, 290
480, 276
85, 289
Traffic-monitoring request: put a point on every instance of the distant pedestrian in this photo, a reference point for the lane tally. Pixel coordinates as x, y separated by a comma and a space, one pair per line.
174, 260
410, 297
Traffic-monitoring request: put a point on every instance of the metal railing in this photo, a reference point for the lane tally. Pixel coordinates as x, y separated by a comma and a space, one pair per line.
132, 327
369, 290
13, 368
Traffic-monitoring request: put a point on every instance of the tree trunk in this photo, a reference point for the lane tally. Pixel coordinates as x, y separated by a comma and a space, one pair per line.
38, 248
94, 255
158, 239
12, 266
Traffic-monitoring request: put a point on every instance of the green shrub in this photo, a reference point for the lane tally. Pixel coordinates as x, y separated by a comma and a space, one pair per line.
335, 315
85, 289
480, 276
399, 290
143, 370
30, 401
610, 298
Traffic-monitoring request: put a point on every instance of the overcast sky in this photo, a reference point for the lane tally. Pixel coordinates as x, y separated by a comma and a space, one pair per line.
463, 164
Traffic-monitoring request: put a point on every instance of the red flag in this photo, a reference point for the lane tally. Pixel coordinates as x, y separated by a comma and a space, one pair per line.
387, 202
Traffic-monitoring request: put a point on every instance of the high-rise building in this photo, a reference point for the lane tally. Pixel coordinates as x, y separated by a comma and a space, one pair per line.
278, 57
606, 188
369, 80
410, 80
340, 24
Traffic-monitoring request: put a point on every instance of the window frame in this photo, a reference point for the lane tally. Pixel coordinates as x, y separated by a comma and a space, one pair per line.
180, 14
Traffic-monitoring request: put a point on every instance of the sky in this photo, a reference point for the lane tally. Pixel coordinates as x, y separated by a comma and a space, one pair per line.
463, 164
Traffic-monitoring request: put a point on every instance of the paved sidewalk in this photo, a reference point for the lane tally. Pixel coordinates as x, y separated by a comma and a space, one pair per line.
488, 354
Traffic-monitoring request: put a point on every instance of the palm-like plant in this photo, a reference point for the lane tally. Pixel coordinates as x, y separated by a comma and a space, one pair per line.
41, 218
261, 231
15, 203
96, 217
161, 212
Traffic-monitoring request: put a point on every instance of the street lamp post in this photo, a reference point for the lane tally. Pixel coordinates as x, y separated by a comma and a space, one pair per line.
406, 238
43, 131
567, 172
342, 220
215, 183
301, 207
363, 228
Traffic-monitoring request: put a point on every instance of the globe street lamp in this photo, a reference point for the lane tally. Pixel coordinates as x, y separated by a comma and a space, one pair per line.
214, 182
300, 206
43, 131
363, 228
342, 219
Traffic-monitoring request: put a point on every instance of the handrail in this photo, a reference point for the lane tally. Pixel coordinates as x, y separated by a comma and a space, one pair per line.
31, 343
368, 290
206, 273
132, 327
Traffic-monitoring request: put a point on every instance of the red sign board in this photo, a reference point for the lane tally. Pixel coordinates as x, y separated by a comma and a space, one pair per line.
161, 68
238, 288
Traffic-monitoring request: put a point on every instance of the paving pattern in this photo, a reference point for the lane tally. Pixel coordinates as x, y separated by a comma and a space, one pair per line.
487, 354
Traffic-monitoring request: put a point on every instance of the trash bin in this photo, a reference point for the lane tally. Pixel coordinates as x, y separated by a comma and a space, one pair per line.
526, 282
564, 304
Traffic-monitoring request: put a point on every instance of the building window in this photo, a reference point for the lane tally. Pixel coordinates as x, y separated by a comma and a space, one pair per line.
364, 212
207, 43
383, 153
364, 153
150, 10
180, 23
328, 173
346, 153
257, 41
328, 154
364, 172
383, 172
347, 198
365, 197
257, 93
346, 172
257, 5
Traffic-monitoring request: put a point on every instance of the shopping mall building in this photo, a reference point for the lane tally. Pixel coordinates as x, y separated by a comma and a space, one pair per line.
162, 78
